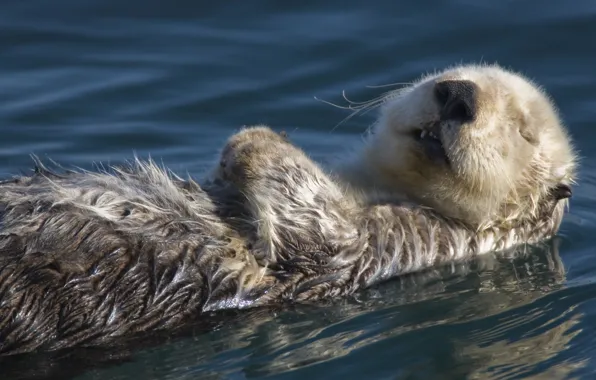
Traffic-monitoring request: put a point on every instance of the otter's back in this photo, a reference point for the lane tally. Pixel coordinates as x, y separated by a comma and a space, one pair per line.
85, 256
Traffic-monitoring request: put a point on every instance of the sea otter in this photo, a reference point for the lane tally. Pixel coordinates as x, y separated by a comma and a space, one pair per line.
471, 160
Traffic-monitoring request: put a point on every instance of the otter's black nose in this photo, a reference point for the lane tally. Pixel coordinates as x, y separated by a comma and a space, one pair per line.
457, 99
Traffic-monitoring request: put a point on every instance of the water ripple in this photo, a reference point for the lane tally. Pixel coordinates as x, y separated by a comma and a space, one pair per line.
87, 81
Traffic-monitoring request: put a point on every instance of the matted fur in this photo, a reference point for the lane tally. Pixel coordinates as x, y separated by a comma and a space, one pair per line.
89, 256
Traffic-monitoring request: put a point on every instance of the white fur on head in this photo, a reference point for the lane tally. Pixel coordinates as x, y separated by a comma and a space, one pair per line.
501, 164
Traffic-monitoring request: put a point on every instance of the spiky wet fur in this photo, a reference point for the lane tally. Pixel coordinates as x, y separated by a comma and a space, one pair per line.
89, 256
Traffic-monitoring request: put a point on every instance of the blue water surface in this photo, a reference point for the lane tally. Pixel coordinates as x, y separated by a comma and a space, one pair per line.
84, 81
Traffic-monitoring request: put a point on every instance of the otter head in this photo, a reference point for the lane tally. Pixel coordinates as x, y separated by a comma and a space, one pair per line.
476, 143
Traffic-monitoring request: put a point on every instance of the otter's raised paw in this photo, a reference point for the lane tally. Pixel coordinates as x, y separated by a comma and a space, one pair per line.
253, 134
252, 152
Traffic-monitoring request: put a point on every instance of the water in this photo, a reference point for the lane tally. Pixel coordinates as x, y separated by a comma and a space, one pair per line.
91, 80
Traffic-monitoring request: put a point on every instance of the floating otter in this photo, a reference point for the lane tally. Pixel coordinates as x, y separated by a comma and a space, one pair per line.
461, 163
510, 284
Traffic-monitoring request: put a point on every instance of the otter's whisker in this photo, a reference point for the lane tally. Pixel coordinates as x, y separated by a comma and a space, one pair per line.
391, 84
361, 108
333, 104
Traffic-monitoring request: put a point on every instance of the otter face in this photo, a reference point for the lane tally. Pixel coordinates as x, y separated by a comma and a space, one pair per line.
474, 142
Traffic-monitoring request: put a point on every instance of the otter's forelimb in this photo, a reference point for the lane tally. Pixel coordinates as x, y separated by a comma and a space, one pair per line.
327, 244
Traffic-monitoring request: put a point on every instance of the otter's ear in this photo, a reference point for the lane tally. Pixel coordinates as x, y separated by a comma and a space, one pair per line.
529, 133
562, 191
529, 136
528, 129
285, 136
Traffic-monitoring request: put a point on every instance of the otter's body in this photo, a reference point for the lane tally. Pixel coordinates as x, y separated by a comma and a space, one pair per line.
84, 256
87, 257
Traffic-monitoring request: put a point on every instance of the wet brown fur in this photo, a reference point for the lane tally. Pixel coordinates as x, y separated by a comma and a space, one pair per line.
89, 256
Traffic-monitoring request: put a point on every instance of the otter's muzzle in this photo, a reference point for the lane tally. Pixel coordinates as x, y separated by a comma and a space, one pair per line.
457, 99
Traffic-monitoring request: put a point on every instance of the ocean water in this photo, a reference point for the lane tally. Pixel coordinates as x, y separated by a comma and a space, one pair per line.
87, 81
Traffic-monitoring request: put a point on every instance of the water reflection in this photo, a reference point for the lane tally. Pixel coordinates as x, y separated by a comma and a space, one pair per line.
492, 317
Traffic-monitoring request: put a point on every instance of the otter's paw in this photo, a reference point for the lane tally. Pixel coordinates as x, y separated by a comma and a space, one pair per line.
253, 134
252, 153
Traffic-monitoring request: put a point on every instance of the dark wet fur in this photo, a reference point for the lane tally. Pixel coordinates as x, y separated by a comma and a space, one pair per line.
547, 274
89, 257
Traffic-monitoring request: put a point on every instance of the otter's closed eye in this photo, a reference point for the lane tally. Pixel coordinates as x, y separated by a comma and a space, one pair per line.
562, 191
476, 142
